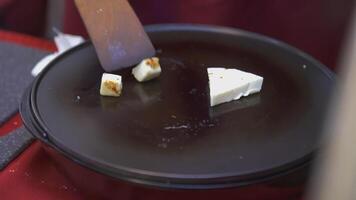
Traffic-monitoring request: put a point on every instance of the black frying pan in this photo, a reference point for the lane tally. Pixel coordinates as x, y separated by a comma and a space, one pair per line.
164, 133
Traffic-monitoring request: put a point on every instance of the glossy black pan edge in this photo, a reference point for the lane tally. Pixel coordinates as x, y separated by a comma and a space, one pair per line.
36, 131
32, 126
158, 181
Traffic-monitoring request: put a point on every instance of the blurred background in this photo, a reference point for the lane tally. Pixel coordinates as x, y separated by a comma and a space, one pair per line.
321, 28
318, 27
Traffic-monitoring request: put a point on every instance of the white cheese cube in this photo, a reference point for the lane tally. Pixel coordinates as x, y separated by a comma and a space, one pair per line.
111, 85
148, 69
231, 84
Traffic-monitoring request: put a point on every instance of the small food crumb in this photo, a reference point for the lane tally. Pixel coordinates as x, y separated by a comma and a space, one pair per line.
162, 145
77, 99
64, 187
176, 127
193, 91
100, 10
153, 62
111, 86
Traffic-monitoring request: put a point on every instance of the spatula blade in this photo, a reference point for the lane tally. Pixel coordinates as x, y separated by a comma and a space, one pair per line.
116, 32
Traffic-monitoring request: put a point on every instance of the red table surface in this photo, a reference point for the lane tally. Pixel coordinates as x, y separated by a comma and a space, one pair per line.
35, 175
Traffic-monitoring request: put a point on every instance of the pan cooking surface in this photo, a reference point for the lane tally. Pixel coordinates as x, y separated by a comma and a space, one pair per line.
165, 130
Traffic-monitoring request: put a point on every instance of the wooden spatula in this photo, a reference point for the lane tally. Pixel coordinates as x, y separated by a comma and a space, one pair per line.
117, 34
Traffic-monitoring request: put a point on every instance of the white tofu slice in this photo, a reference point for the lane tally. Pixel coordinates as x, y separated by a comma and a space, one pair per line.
111, 85
231, 84
147, 70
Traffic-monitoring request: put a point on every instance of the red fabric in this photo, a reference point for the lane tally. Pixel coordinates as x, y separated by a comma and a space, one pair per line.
72, 22
33, 176
315, 26
25, 16
10, 125
27, 40
4, 3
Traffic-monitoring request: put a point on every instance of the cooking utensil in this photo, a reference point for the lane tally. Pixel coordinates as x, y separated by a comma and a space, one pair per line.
164, 133
117, 34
